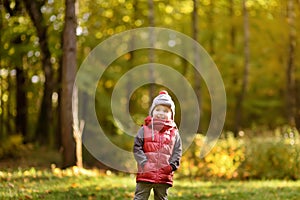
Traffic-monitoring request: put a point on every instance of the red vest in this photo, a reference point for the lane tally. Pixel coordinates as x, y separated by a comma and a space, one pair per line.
159, 140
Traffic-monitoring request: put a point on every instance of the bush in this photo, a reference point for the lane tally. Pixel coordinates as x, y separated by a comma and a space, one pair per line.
222, 162
12, 146
273, 157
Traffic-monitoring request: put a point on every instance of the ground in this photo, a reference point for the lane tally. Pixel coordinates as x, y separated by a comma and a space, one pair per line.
34, 175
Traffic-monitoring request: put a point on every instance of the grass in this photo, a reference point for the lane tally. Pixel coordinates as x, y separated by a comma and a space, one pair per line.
90, 184
33, 177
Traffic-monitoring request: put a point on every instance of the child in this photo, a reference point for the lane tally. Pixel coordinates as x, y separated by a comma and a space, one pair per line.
157, 149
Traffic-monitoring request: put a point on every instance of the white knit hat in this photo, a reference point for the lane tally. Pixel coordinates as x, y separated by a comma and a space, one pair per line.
163, 99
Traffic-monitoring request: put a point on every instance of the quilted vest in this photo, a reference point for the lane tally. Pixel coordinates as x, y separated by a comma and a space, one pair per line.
159, 140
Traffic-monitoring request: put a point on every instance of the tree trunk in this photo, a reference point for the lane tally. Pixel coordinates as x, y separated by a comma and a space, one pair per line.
297, 83
197, 83
58, 134
44, 125
21, 107
232, 27
11, 128
290, 70
151, 50
77, 129
21, 99
69, 67
211, 24
1, 106
242, 93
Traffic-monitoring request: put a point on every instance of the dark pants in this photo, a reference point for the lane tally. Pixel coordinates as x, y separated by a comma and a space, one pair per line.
143, 189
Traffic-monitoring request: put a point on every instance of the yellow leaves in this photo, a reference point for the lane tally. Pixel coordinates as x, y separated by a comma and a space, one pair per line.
27, 196
169, 9
138, 23
179, 193
98, 188
186, 7
108, 84
5, 97
129, 195
99, 35
11, 51
222, 161
92, 197
74, 185
108, 172
109, 13
72, 171
126, 18
6, 45
110, 31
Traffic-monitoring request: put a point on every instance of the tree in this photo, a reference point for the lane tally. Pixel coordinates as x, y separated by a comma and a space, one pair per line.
151, 51
290, 70
45, 119
242, 93
195, 31
69, 66
210, 25
21, 99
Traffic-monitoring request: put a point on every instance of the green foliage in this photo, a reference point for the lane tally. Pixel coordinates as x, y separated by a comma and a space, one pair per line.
12, 146
276, 157
273, 157
219, 33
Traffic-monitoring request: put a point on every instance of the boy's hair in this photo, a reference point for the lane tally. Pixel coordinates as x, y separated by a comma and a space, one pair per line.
163, 99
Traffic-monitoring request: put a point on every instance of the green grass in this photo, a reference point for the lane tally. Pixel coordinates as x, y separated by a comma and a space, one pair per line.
30, 177
55, 184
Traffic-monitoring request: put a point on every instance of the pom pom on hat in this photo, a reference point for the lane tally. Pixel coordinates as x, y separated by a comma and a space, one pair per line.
163, 99
163, 92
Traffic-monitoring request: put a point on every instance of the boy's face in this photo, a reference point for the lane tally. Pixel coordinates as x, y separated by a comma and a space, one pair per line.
162, 112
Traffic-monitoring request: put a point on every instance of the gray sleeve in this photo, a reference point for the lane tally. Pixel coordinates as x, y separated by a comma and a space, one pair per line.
177, 153
138, 150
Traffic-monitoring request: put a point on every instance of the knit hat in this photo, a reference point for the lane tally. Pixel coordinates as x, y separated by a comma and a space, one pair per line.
163, 99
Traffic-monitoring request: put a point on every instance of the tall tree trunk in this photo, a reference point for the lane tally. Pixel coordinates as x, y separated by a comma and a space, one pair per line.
21, 107
58, 134
58, 142
151, 51
232, 26
44, 125
211, 27
21, 99
297, 83
69, 67
2, 133
1, 82
197, 83
11, 128
232, 50
131, 59
242, 93
290, 70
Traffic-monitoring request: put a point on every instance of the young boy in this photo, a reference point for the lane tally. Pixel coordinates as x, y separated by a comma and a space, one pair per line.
157, 149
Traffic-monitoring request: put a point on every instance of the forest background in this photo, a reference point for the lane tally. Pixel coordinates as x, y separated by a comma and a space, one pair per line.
252, 42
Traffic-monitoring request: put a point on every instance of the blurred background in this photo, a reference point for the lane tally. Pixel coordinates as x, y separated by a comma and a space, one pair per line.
254, 44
